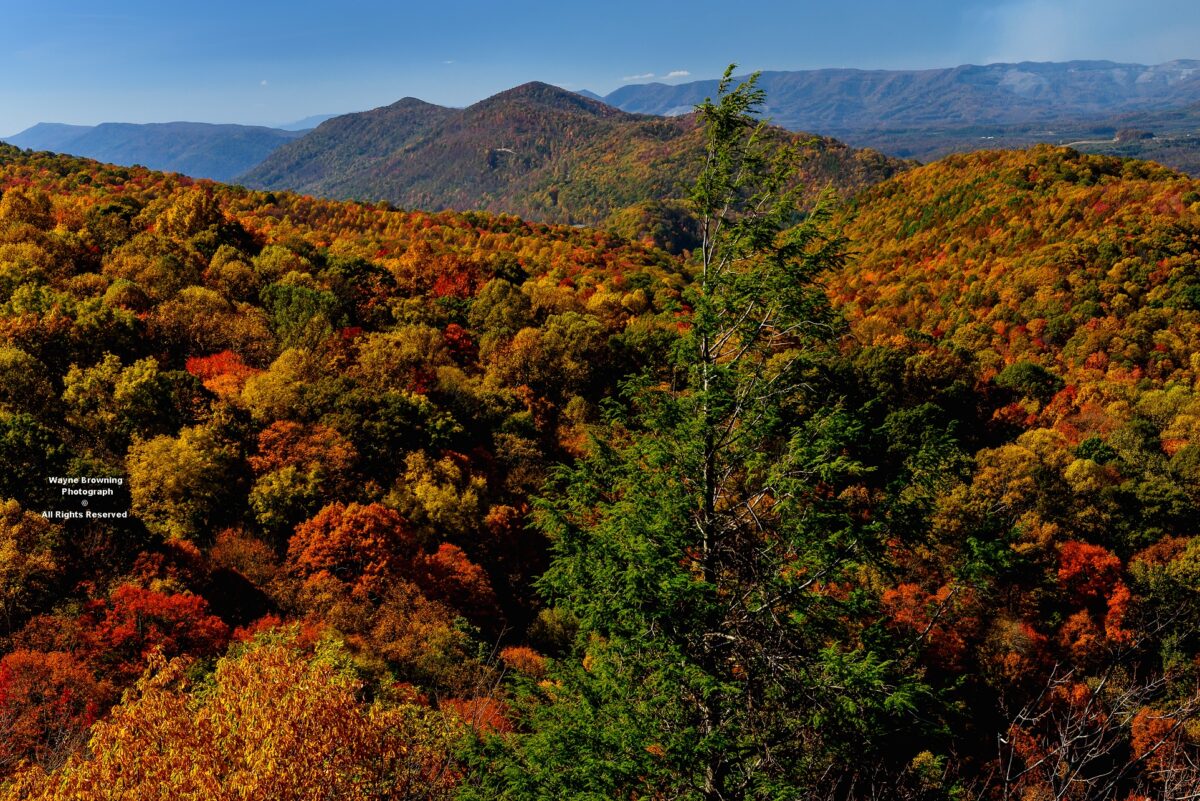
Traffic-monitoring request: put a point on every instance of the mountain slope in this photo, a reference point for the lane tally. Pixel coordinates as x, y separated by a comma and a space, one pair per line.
203, 306
332, 417
201, 150
346, 148
1086, 265
537, 151
52, 136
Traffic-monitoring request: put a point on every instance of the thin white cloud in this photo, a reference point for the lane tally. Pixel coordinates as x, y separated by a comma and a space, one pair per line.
1060, 30
1042, 30
644, 77
263, 82
448, 61
678, 74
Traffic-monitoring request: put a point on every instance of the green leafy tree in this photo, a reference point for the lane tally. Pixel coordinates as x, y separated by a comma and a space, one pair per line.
299, 313
29, 452
705, 548
109, 402
180, 485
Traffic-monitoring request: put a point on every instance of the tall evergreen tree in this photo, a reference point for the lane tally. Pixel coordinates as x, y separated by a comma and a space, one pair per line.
705, 549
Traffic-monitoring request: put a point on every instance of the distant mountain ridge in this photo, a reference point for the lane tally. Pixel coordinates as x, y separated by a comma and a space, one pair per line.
198, 149
927, 114
536, 150
306, 124
50, 136
835, 101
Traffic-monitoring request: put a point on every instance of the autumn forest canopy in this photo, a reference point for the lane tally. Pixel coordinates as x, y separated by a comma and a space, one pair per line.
887, 492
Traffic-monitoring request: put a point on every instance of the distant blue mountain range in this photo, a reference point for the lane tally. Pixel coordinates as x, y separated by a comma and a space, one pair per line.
839, 100
219, 152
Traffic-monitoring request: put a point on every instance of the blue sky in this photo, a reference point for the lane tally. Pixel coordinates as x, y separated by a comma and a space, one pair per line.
268, 62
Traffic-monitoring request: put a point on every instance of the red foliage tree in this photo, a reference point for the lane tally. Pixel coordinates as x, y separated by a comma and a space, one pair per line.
485, 715
361, 545
462, 346
1088, 572
222, 373
119, 634
932, 618
47, 702
448, 575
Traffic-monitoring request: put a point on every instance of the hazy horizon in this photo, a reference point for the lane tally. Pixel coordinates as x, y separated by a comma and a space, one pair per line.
274, 63
290, 123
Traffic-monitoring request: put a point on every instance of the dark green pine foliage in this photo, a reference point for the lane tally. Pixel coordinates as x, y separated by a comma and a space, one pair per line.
705, 549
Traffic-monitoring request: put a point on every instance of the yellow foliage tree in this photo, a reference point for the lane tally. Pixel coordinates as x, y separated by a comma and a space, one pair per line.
27, 563
273, 723
177, 483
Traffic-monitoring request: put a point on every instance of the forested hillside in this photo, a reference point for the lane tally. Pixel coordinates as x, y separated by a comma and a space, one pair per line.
327, 416
537, 151
434, 505
1052, 579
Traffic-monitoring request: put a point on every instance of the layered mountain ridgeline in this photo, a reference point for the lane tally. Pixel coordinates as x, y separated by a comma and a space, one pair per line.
201, 150
308, 123
834, 100
50, 136
350, 142
536, 151
926, 114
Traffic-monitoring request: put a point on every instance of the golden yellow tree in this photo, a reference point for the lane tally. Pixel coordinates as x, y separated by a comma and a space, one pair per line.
273, 722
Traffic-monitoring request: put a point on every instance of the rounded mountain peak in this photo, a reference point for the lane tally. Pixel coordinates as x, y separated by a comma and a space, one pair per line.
550, 96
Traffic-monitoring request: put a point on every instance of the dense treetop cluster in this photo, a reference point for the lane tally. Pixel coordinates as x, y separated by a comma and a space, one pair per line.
332, 421
325, 413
